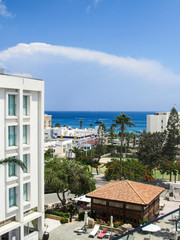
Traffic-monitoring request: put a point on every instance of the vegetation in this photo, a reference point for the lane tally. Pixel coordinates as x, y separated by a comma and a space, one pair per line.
111, 131
170, 146
121, 121
16, 161
56, 213
49, 154
57, 125
131, 169
62, 176
80, 122
64, 220
172, 136
150, 148
99, 148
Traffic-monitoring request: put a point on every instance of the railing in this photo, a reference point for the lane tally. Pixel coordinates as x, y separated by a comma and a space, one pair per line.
173, 220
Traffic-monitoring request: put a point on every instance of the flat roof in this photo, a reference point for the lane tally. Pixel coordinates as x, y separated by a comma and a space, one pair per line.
12, 75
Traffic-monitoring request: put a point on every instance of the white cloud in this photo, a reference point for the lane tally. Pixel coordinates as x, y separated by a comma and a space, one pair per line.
3, 10
94, 3
143, 69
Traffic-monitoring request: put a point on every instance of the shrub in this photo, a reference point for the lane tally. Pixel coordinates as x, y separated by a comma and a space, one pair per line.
117, 224
144, 221
60, 214
64, 220
171, 194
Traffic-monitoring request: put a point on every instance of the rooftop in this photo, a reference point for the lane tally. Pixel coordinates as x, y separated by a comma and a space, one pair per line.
127, 191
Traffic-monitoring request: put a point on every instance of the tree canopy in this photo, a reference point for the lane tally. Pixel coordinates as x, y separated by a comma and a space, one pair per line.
121, 121
62, 175
150, 148
131, 170
172, 136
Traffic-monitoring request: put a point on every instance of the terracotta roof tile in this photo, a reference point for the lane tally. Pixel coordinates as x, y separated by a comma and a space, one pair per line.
127, 191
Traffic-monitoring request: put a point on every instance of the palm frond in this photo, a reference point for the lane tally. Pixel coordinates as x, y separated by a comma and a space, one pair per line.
13, 160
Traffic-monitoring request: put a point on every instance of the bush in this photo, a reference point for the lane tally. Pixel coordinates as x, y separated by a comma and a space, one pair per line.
144, 221
64, 220
60, 214
117, 224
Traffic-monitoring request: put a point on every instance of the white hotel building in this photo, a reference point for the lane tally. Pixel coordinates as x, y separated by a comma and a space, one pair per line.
21, 136
158, 121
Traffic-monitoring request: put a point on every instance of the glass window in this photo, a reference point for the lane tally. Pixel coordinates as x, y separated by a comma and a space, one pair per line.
30, 227
24, 105
11, 169
11, 136
25, 161
25, 134
25, 192
12, 197
11, 105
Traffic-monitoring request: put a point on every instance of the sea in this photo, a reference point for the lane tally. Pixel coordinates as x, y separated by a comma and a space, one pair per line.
72, 118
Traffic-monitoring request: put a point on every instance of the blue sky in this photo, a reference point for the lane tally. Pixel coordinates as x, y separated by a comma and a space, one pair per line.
114, 55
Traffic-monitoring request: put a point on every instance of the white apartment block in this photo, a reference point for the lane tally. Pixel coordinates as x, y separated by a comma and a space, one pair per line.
22, 136
158, 121
47, 121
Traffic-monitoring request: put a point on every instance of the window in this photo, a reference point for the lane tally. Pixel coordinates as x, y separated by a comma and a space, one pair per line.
11, 105
25, 161
25, 192
11, 169
25, 134
12, 197
11, 136
30, 227
24, 105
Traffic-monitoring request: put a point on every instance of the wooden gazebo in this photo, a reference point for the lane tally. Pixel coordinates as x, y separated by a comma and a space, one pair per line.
127, 201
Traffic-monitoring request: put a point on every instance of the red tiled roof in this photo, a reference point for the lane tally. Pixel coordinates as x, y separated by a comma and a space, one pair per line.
127, 191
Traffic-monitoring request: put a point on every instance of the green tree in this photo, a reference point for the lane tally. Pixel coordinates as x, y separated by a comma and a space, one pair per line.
131, 170
57, 125
49, 154
91, 125
121, 121
16, 161
111, 131
80, 122
172, 136
99, 148
62, 175
150, 148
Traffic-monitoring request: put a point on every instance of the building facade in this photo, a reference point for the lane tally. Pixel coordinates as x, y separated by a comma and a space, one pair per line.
47, 121
157, 122
22, 137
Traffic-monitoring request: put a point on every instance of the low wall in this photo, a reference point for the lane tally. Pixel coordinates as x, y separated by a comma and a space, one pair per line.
54, 217
120, 230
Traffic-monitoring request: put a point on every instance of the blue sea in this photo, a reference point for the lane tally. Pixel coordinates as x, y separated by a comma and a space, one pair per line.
72, 118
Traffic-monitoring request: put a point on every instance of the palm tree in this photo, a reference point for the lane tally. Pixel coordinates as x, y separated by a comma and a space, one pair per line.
122, 120
57, 125
81, 121
111, 133
90, 125
13, 160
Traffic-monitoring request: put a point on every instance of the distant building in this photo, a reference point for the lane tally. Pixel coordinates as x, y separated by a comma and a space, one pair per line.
21, 131
157, 122
47, 121
127, 201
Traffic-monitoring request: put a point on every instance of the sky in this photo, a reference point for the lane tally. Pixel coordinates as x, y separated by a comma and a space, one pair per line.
95, 55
